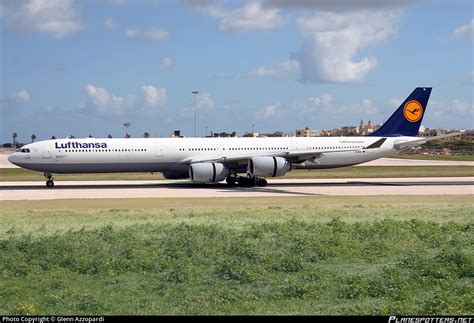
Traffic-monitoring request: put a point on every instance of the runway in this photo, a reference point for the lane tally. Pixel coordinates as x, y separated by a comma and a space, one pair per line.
276, 187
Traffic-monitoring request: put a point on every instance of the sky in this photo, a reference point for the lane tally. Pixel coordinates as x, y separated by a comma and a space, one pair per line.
71, 67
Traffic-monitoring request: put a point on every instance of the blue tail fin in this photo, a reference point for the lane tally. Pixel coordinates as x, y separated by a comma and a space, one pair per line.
406, 120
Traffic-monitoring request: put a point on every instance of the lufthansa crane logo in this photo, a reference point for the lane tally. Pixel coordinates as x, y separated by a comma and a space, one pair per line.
413, 111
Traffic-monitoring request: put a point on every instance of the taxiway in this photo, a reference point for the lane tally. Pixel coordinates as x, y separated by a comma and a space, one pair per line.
276, 187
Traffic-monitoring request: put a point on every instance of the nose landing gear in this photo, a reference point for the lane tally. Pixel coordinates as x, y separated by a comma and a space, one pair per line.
49, 182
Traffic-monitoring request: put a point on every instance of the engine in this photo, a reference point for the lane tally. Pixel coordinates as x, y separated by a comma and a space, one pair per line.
268, 166
208, 172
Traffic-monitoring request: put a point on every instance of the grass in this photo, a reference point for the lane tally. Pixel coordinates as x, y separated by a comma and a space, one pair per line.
300, 255
231, 202
434, 157
18, 174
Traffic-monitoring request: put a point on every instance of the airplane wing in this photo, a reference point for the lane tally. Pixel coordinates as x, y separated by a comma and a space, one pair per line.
233, 158
294, 156
413, 143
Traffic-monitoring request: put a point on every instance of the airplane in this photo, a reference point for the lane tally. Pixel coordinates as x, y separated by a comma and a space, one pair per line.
212, 160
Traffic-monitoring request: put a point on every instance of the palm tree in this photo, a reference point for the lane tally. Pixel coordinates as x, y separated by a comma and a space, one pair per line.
90, 136
71, 137
14, 136
53, 137
146, 135
109, 136
33, 138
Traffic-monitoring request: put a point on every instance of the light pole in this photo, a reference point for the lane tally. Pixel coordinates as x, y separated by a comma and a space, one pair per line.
206, 130
195, 108
252, 129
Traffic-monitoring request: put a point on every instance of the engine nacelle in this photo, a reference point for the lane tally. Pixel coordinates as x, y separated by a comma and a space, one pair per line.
268, 166
208, 172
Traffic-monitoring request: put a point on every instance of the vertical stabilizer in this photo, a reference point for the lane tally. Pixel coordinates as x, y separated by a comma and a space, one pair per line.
406, 120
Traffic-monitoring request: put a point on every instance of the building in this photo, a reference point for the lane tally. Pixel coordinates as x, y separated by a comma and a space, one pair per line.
306, 132
278, 134
349, 131
465, 135
177, 134
364, 130
331, 133
224, 134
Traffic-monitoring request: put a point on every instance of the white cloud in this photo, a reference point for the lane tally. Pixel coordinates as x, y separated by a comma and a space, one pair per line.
110, 23
22, 96
322, 100
153, 34
58, 18
466, 31
332, 40
100, 100
165, 63
268, 111
460, 107
204, 101
283, 68
447, 110
394, 103
251, 16
335, 5
325, 106
263, 71
154, 96
366, 107
210, 8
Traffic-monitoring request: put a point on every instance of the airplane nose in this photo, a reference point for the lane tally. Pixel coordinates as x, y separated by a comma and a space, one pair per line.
12, 158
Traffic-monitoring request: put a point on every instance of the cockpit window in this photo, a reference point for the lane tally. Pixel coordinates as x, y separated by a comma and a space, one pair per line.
23, 150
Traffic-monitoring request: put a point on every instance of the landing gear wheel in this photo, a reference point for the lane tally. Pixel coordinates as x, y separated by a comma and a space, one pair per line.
262, 182
49, 183
230, 180
248, 181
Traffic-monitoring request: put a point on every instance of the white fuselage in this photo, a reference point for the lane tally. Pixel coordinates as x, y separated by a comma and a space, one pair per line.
172, 155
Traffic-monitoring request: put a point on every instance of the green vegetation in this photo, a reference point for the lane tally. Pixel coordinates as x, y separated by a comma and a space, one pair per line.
453, 145
385, 171
434, 157
226, 203
17, 174
306, 257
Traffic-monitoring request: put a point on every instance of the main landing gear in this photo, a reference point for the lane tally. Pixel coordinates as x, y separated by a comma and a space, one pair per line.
246, 181
49, 182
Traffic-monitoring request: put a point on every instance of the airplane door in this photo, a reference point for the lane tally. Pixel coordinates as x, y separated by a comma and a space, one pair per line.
159, 150
46, 151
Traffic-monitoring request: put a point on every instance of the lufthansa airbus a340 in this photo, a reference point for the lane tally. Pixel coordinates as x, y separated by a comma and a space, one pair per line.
210, 160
